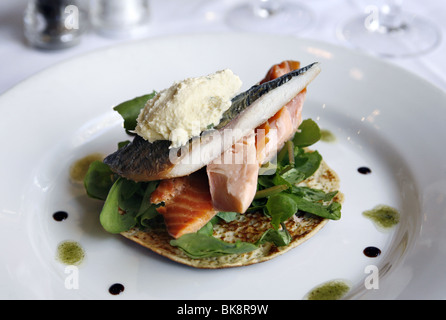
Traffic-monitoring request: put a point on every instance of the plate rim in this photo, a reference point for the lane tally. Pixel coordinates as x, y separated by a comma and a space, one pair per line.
363, 55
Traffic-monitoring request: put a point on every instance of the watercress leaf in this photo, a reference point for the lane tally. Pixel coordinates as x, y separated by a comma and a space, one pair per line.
282, 157
279, 238
331, 211
215, 220
259, 202
268, 192
307, 162
256, 208
145, 203
199, 245
293, 176
279, 180
334, 209
308, 134
257, 205
313, 194
266, 181
131, 205
289, 178
145, 216
207, 229
147, 210
129, 110
280, 208
227, 216
123, 144
129, 188
113, 219
98, 180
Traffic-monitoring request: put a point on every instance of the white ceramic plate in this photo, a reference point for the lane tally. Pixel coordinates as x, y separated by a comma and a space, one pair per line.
383, 117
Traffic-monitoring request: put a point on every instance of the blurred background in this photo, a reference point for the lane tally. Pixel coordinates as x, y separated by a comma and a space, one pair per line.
37, 34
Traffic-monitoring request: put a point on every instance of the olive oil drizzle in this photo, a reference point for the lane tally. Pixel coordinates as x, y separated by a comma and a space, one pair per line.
384, 217
70, 253
327, 136
79, 168
332, 290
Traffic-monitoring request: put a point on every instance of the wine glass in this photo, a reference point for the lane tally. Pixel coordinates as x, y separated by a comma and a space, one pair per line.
387, 30
270, 15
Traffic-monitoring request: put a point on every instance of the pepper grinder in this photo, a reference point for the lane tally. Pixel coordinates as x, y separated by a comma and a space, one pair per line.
54, 24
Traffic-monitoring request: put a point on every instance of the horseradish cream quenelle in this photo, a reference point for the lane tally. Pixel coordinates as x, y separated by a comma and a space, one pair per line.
187, 108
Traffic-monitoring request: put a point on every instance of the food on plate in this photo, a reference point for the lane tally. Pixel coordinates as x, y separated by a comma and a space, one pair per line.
186, 109
236, 185
142, 160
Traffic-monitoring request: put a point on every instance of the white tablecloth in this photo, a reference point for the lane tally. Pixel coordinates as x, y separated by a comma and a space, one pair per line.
18, 61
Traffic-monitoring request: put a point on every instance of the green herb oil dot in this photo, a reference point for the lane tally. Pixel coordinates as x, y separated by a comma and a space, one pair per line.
70, 253
79, 169
332, 290
327, 136
383, 216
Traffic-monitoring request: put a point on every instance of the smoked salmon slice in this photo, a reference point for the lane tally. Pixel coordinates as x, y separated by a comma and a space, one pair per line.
187, 203
278, 70
233, 177
283, 125
233, 185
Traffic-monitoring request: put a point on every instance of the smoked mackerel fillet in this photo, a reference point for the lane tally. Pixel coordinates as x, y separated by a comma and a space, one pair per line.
142, 160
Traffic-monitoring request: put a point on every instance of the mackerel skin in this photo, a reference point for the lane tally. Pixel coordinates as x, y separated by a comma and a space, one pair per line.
141, 160
245, 99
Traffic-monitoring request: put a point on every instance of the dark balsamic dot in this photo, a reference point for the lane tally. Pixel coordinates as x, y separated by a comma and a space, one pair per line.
116, 289
60, 215
372, 252
364, 170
